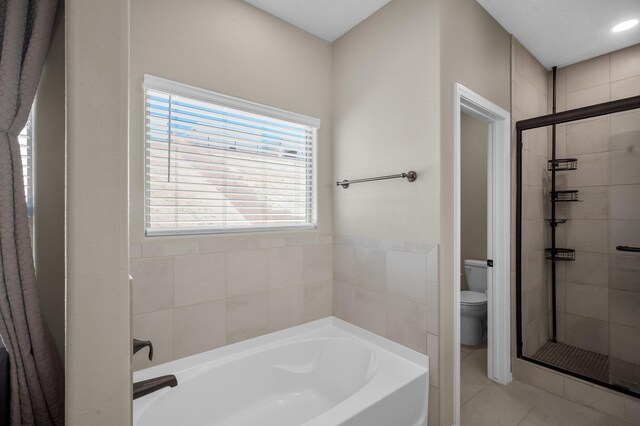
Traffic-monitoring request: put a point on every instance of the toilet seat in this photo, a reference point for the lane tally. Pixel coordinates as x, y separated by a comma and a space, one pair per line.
472, 298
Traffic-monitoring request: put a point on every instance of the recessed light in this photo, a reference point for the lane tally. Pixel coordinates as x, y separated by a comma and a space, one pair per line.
623, 26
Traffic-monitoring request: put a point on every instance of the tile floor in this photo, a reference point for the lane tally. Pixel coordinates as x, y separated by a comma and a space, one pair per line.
486, 403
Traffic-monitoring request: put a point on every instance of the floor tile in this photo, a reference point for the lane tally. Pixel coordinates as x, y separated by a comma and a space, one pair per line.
608, 420
485, 403
493, 405
473, 372
472, 383
478, 359
465, 351
553, 410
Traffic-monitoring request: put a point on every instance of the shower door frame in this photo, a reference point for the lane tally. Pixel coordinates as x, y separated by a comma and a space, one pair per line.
583, 113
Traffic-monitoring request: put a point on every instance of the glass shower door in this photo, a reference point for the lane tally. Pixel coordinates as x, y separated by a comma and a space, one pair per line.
624, 250
580, 288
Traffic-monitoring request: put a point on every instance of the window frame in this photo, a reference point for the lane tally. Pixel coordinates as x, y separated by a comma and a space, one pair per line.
180, 89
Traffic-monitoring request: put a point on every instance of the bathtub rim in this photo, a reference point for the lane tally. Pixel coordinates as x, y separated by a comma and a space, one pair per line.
190, 366
263, 342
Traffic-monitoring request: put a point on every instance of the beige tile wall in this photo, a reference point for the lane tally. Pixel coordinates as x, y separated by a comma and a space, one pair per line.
196, 296
606, 401
193, 297
599, 307
598, 295
529, 99
391, 288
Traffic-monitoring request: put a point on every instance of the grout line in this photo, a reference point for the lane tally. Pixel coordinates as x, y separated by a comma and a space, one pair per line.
476, 394
173, 335
526, 414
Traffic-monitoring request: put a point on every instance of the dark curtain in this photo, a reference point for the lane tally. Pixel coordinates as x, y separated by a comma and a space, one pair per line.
36, 373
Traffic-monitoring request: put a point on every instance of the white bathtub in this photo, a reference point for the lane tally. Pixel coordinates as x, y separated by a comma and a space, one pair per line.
324, 373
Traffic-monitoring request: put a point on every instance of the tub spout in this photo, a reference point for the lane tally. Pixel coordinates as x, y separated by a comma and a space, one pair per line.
145, 387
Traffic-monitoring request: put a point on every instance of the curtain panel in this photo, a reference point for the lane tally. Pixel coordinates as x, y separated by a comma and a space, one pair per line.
36, 372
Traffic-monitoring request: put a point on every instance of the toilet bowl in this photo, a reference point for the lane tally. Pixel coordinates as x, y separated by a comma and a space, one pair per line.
473, 303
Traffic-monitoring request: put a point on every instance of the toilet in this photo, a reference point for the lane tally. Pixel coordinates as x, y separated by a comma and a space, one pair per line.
473, 303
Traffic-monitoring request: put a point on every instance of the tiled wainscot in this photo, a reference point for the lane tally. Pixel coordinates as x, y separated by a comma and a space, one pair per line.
195, 296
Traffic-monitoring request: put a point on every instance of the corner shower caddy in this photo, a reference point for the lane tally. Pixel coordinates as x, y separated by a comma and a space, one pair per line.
553, 253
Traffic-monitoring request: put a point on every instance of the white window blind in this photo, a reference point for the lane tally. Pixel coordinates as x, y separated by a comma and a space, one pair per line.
26, 149
220, 164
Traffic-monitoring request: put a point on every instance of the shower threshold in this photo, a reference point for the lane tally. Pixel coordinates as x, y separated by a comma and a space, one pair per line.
611, 372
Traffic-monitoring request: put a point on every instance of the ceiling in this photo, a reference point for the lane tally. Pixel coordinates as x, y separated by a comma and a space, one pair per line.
556, 32
563, 32
327, 19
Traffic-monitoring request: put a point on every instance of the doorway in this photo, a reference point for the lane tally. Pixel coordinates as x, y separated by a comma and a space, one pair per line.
498, 201
474, 183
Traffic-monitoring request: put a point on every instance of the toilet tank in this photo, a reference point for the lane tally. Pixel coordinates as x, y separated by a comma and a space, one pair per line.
476, 273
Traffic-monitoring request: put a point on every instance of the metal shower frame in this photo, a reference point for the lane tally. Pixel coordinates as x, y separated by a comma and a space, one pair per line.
534, 123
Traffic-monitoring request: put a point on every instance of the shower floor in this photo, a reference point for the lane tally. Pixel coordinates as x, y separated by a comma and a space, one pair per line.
590, 364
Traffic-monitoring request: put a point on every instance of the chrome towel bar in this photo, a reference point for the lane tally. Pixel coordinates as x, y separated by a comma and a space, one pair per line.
410, 176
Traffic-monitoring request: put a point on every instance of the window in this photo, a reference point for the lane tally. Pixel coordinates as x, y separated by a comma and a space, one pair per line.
26, 151
220, 164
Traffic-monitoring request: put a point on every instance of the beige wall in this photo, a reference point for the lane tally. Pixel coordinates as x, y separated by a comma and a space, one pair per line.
282, 279
470, 48
386, 121
242, 285
241, 51
385, 104
473, 186
529, 99
48, 158
474, 51
98, 340
598, 301
598, 291
390, 288
195, 296
586, 297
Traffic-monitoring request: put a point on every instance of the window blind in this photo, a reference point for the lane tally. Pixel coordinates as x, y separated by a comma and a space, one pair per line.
221, 164
26, 149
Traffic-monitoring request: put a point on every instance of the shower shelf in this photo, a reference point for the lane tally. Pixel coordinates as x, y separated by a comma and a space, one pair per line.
562, 164
562, 196
560, 254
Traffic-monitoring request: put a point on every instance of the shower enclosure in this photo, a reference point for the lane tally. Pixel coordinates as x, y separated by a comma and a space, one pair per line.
578, 243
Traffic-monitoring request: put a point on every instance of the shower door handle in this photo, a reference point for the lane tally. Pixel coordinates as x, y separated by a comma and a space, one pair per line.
628, 248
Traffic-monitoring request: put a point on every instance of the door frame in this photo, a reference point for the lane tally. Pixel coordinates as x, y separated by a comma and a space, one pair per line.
498, 236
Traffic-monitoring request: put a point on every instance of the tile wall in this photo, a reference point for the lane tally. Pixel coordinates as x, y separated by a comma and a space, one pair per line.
599, 293
391, 288
614, 404
529, 99
190, 297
